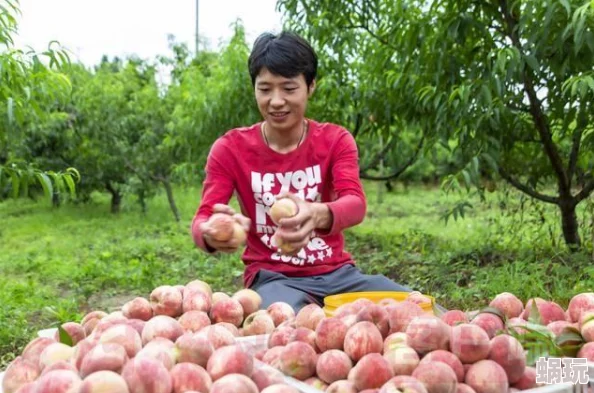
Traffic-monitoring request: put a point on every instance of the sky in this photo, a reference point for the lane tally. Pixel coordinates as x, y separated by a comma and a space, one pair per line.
91, 28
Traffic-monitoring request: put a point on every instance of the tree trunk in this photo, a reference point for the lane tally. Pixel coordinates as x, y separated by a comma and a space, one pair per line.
569, 223
116, 198
142, 201
171, 200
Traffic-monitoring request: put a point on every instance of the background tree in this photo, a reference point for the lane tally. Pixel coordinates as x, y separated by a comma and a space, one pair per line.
510, 83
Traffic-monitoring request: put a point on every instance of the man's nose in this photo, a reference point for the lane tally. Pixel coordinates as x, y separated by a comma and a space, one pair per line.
277, 99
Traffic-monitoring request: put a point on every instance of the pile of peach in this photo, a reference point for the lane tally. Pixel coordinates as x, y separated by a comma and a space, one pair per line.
187, 338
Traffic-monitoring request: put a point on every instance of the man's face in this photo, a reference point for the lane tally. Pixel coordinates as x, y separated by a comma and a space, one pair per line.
281, 101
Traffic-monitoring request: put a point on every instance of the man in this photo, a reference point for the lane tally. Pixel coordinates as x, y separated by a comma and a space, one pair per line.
288, 155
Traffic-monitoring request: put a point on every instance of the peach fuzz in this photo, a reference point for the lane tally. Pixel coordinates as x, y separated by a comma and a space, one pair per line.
227, 310
234, 383
193, 321
166, 300
189, 376
258, 323
193, 348
280, 312
195, 300
507, 351
580, 303
124, 335
104, 382
400, 315
35, 347
298, 360
309, 316
378, 316
138, 308
333, 365
403, 360
199, 285
437, 377
161, 326
217, 335
361, 339
371, 372
448, 358
58, 381
230, 359
469, 343
20, 372
144, 374
486, 376
454, 317
490, 323
508, 304
54, 353
109, 357
249, 299
428, 333
330, 334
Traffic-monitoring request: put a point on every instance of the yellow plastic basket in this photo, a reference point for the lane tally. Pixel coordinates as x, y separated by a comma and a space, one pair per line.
331, 303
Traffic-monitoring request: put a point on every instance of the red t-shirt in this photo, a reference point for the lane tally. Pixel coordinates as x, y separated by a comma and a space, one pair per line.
324, 168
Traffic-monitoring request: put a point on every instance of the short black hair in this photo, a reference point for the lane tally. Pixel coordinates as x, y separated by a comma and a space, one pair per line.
286, 54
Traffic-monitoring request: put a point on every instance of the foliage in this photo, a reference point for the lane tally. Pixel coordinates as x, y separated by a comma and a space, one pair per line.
27, 84
509, 82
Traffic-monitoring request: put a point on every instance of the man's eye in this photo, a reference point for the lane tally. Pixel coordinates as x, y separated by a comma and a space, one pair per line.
264, 90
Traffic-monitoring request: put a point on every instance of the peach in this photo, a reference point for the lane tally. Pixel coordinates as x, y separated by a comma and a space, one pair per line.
272, 356
557, 327
104, 382
29, 387
193, 348
234, 383
333, 365
305, 335
61, 365
371, 372
587, 351
543, 312
587, 330
282, 208
515, 325
486, 376
418, 298
249, 299
228, 310
161, 326
280, 312
378, 316
54, 353
230, 359
454, 317
105, 324
448, 358
395, 340
124, 335
470, 343
437, 377
361, 339
221, 225
280, 336
189, 376
199, 285
388, 301
330, 334
218, 335
309, 316
508, 304
428, 333
35, 347
166, 300
58, 381
280, 388
90, 320
218, 296
162, 350
298, 360
75, 331
403, 384
257, 323
580, 303
527, 380
342, 386
266, 376
489, 322
192, 321
20, 372
316, 383
403, 360
464, 388
138, 308
136, 324
144, 374
197, 300
402, 314
108, 357
80, 351
507, 351
234, 330
345, 310
349, 320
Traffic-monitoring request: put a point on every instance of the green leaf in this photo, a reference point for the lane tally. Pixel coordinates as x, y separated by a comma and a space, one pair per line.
64, 336
10, 109
46, 184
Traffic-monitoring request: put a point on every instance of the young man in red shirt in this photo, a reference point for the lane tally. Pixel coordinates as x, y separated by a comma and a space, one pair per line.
287, 154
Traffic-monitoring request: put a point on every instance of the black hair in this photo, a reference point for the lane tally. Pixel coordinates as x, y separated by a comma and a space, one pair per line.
286, 54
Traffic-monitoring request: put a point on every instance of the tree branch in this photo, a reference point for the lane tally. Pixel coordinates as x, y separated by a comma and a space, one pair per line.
399, 171
358, 122
585, 192
575, 151
373, 34
379, 156
526, 189
540, 119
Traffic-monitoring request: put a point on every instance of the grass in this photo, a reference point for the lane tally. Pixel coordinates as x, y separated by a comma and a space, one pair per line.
58, 264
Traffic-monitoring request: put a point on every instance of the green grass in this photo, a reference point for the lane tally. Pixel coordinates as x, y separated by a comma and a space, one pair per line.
58, 264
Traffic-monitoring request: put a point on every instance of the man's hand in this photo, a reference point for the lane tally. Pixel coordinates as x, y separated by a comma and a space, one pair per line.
296, 231
231, 245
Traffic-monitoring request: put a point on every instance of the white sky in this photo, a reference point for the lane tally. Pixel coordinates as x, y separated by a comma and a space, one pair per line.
91, 28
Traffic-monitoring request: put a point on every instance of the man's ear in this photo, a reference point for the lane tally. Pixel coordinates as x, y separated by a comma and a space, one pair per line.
312, 87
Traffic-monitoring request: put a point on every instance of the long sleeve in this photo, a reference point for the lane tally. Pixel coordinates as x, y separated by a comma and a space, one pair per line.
349, 207
217, 187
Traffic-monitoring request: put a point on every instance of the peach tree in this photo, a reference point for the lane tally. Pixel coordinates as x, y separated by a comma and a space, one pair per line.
508, 86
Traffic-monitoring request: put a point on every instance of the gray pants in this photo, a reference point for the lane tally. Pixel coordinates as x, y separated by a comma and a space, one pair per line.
300, 291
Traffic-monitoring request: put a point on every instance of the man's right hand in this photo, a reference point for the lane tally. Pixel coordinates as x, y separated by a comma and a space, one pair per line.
231, 245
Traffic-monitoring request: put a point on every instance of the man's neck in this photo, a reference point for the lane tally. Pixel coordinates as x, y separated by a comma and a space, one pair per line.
284, 141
